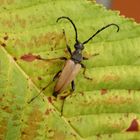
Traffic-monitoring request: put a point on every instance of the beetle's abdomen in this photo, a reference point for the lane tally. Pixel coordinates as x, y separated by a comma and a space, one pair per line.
68, 74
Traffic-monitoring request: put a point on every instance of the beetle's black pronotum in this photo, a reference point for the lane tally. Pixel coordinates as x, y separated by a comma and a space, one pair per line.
72, 65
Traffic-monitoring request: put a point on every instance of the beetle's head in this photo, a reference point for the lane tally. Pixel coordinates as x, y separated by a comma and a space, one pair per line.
79, 46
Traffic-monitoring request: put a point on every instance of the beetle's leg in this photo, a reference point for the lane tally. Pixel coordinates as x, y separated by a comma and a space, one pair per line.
68, 47
54, 78
84, 72
64, 98
85, 58
61, 58
72, 86
57, 75
40, 92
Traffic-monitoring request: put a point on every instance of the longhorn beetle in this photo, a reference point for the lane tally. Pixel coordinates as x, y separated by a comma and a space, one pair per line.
72, 65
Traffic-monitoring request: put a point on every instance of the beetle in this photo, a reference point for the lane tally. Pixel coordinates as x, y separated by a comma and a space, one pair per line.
72, 65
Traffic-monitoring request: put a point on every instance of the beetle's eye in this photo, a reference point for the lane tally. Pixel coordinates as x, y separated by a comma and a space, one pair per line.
76, 46
81, 46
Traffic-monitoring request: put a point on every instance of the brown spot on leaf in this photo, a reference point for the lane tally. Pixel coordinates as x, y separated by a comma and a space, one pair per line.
23, 133
39, 78
109, 135
50, 130
47, 112
57, 134
118, 100
129, 91
30, 132
92, 1
15, 58
111, 77
48, 38
21, 21
98, 135
6, 2
8, 23
5, 38
15, 20
7, 109
10, 1
1, 99
134, 126
3, 44
51, 38
50, 100
52, 48
103, 91
82, 93
73, 134
3, 129
29, 57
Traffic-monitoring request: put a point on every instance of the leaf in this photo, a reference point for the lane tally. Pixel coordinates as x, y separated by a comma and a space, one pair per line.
105, 108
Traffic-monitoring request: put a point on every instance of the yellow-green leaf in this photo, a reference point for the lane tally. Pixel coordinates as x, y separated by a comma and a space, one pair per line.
105, 108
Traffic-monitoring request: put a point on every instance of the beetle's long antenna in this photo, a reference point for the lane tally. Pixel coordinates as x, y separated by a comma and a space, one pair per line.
76, 35
100, 31
39, 93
